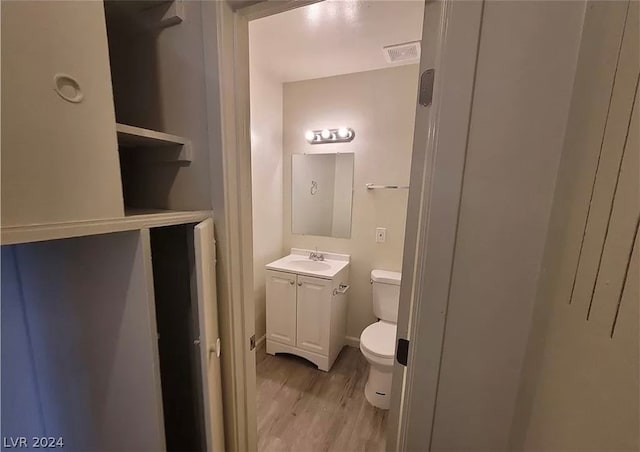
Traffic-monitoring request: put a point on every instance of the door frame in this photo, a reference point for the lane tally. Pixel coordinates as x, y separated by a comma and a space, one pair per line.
439, 152
451, 37
225, 33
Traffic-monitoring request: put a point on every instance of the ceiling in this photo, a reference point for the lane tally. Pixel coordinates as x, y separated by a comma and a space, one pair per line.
332, 37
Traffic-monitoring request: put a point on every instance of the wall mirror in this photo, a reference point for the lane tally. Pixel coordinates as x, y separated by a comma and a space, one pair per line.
322, 194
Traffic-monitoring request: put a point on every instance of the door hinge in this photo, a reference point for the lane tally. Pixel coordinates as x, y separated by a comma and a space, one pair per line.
426, 87
402, 351
252, 342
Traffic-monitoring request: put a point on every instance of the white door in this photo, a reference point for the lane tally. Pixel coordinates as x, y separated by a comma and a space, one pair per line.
450, 35
281, 307
59, 150
314, 311
205, 256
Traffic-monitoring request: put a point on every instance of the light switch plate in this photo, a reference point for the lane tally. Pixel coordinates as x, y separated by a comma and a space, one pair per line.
381, 235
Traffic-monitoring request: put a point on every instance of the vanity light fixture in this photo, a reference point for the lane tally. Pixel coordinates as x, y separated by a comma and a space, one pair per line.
323, 136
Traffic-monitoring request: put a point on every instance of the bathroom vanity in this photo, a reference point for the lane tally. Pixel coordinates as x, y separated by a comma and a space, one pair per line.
307, 305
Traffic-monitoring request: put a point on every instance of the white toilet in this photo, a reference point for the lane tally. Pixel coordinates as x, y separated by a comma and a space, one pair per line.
377, 341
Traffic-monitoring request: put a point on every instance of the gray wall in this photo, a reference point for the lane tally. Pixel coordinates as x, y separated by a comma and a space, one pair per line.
159, 83
79, 343
526, 63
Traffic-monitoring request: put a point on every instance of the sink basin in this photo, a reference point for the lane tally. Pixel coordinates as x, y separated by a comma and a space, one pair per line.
306, 264
298, 262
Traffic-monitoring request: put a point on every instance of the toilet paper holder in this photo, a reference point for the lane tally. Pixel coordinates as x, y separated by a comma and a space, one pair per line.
341, 290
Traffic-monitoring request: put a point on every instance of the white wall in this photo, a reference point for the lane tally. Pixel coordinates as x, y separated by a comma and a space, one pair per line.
579, 388
266, 180
380, 106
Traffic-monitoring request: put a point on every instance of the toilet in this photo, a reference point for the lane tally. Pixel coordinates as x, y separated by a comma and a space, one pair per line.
377, 341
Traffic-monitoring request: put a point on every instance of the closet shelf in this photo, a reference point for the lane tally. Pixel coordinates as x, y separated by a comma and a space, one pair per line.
150, 14
138, 6
137, 137
132, 220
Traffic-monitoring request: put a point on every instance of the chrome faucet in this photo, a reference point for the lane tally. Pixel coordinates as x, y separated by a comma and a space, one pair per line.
315, 256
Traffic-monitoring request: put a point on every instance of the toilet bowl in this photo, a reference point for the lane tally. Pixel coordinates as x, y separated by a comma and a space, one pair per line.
377, 341
377, 346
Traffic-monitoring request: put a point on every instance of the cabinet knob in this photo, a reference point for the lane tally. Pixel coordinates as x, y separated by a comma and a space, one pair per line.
215, 348
299, 283
292, 282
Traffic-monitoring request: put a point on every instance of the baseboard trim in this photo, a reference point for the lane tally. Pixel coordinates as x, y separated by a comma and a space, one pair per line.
260, 340
353, 341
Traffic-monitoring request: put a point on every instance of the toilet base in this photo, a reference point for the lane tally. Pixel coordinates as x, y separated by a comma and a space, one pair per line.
377, 391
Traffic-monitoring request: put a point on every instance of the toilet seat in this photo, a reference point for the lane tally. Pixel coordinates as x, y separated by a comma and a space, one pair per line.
378, 339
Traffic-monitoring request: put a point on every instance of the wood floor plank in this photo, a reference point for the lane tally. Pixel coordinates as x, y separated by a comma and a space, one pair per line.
303, 409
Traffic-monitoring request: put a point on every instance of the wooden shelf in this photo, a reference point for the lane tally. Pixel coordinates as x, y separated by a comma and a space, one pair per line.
150, 14
136, 137
133, 219
136, 6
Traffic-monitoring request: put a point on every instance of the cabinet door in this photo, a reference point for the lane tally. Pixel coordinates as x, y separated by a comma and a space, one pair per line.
281, 307
209, 335
59, 150
314, 314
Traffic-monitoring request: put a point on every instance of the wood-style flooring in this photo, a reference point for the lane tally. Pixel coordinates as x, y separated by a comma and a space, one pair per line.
303, 409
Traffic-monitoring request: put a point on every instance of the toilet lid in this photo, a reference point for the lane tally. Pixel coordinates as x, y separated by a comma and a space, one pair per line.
379, 339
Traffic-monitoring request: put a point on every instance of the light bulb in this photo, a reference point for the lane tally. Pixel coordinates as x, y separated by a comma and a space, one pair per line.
343, 132
325, 134
309, 135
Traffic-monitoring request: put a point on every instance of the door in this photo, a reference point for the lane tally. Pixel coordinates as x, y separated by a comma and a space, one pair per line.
205, 257
450, 35
59, 152
314, 312
281, 307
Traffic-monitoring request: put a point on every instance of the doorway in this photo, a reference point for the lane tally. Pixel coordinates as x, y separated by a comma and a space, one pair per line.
442, 45
332, 104
483, 91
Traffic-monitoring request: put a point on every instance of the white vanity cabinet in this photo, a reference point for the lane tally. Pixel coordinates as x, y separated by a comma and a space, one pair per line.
313, 314
281, 307
306, 315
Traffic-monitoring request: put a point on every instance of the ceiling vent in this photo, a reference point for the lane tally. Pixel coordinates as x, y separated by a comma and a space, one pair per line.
402, 53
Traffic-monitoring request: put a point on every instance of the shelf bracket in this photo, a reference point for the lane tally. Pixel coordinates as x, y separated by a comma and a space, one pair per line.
163, 14
174, 15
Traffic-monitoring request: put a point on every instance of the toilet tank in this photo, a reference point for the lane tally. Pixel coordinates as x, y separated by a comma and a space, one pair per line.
386, 294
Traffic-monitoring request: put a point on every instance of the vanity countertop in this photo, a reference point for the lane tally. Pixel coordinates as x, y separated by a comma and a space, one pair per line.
298, 262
